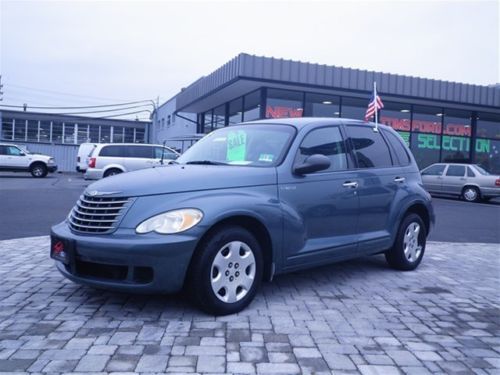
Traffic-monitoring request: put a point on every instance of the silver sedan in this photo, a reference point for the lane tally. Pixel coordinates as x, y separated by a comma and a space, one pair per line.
469, 181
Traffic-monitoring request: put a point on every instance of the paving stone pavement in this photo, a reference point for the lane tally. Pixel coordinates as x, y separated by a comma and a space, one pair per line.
353, 317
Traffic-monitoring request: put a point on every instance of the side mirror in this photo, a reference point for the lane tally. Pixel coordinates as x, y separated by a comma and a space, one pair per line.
313, 163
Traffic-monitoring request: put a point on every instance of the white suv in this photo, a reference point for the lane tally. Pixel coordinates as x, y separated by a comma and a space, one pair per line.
110, 159
16, 159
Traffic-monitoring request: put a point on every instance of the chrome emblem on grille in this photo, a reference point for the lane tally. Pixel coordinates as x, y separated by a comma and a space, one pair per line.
93, 193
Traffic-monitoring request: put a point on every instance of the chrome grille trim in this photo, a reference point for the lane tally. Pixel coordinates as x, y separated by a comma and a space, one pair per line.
94, 214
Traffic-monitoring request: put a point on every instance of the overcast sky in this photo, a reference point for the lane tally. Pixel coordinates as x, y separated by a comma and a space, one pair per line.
96, 52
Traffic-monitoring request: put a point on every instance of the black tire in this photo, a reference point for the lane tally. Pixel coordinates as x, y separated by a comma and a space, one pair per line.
471, 194
112, 172
38, 170
204, 271
401, 256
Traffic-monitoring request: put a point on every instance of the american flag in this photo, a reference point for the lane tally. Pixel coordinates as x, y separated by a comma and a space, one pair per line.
374, 105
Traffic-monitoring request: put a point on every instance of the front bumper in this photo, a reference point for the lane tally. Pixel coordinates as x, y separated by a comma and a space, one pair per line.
93, 174
125, 261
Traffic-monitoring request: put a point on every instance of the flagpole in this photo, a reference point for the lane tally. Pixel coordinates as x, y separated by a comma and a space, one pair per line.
376, 110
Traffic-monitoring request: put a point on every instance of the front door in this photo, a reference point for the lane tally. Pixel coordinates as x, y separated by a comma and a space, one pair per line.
320, 208
16, 158
432, 177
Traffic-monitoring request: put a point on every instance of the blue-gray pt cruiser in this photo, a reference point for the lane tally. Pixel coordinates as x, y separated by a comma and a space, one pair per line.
245, 203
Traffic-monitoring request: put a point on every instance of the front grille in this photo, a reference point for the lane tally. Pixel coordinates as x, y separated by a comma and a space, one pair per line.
97, 214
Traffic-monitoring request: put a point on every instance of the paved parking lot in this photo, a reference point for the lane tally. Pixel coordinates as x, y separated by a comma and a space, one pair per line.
353, 317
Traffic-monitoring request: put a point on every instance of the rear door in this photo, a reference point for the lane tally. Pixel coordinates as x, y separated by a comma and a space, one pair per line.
139, 157
454, 179
432, 178
378, 181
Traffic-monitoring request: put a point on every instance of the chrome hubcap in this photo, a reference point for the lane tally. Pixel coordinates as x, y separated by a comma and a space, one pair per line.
470, 194
411, 247
37, 171
233, 272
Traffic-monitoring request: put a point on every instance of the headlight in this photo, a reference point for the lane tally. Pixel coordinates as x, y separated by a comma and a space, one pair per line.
51, 161
171, 221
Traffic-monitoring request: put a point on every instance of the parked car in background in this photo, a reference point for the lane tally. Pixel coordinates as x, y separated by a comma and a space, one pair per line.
245, 203
469, 181
13, 158
83, 156
114, 158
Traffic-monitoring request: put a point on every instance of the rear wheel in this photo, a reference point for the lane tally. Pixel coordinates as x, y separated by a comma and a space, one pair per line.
112, 172
409, 247
38, 170
227, 271
471, 194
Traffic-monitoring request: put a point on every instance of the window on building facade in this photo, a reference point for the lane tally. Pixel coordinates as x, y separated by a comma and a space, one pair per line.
426, 134
20, 130
140, 135
57, 129
235, 111
207, 121
219, 117
456, 138
32, 135
118, 135
82, 135
7, 128
398, 117
129, 135
353, 108
44, 135
284, 103
251, 111
69, 133
105, 134
322, 105
487, 144
94, 133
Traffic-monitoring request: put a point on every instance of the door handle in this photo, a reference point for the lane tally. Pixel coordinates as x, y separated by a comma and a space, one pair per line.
400, 179
350, 184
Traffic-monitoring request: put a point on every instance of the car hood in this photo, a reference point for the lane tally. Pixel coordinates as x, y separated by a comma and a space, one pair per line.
181, 178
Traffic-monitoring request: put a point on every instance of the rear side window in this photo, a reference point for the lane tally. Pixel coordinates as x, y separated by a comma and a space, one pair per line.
402, 157
456, 171
369, 147
326, 141
115, 151
145, 152
470, 172
167, 154
434, 170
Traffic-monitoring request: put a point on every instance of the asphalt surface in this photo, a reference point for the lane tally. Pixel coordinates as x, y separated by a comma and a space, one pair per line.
29, 207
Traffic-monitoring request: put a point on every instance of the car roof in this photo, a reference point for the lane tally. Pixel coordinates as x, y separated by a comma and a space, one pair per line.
300, 122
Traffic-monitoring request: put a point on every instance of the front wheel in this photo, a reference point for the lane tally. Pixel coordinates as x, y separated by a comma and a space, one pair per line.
38, 170
227, 271
408, 249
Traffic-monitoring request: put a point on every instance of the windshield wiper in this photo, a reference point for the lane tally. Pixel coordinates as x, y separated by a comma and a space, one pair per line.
206, 162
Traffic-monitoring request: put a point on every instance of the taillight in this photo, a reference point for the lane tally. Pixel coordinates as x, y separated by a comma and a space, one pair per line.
497, 182
92, 162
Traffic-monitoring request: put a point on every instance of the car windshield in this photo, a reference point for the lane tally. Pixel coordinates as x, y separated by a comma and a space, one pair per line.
251, 145
481, 170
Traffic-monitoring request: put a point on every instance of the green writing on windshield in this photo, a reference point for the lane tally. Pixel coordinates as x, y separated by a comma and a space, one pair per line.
236, 146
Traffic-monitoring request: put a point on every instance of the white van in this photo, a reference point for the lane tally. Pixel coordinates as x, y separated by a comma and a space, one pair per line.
83, 156
110, 159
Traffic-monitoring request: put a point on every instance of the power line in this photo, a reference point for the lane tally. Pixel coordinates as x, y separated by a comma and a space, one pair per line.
150, 102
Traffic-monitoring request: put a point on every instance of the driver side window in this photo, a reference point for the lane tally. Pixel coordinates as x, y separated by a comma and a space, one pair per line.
327, 141
14, 151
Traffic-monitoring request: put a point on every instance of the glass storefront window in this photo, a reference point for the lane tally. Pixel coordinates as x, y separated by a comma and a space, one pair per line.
7, 128
129, 135
251, 111
82, 135
69, 133
139, 135
488, 125
427, 119
32, 131
397, 116
219, 116
284, 104
235, 111
207, 122
425, 148
354, 108
20, 130
44, 131
105, 134
322, 105
118, 134
488, 154
94, 133
57, 128
455, 143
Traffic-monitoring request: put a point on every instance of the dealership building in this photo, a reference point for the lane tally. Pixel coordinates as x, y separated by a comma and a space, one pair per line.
439, 120
60, 135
